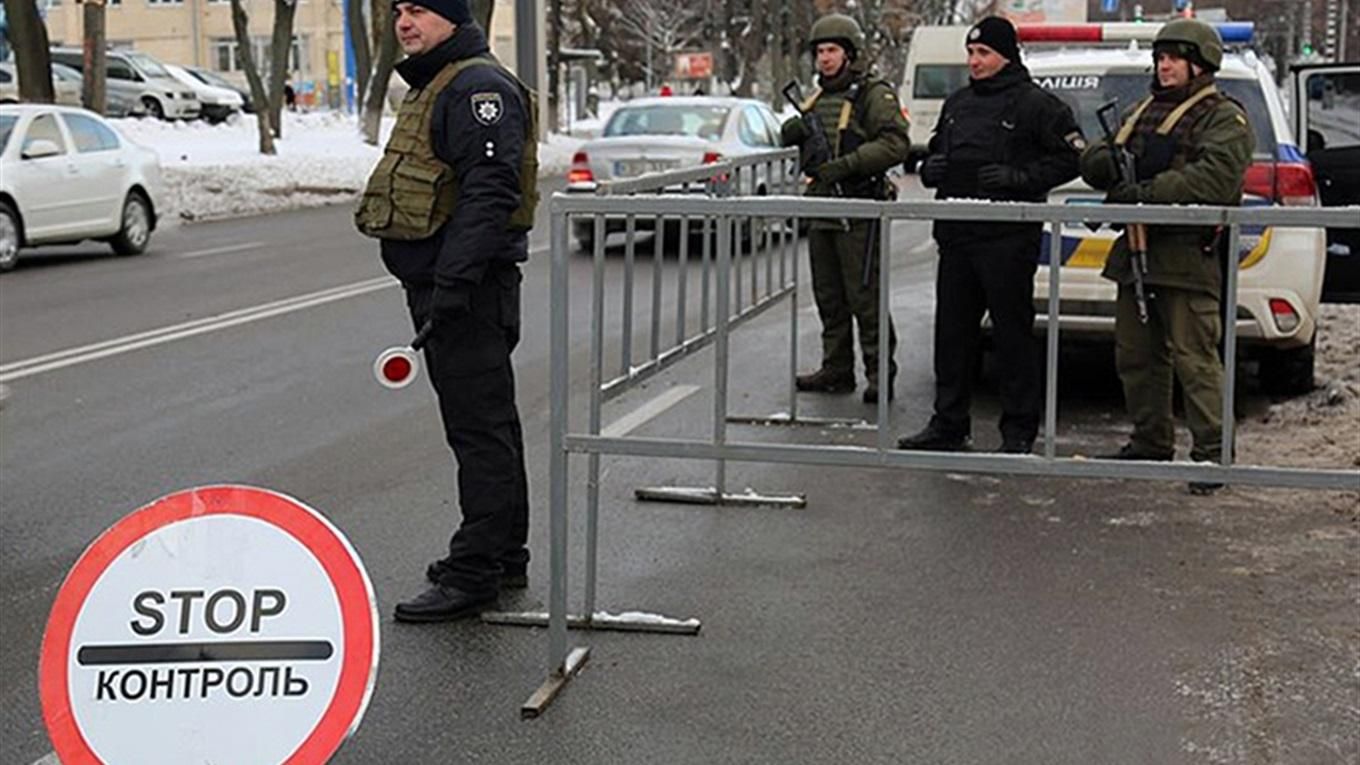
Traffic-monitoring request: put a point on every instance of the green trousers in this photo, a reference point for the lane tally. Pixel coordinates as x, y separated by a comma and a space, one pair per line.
844, 300
1180, 338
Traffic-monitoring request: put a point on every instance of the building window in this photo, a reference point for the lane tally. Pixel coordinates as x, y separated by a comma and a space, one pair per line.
226, 59
165, 2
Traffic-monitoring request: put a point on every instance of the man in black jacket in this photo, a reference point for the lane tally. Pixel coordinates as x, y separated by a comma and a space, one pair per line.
1001, 138
451, 201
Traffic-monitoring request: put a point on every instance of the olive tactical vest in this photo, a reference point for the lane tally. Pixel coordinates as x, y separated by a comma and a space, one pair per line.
412, 192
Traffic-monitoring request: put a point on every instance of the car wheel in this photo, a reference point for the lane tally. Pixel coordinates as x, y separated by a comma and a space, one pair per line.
1289, 371
9, 237
153, 108
132, 238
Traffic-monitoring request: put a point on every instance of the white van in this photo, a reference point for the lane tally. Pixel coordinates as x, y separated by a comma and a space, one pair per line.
937, 65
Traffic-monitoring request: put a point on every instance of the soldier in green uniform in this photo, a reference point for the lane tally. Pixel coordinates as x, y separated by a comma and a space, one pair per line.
867, 134
1192, 145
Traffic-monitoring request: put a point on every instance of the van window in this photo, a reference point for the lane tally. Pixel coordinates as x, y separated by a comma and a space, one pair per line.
938, 80
74, 60
1085, 93
119, 70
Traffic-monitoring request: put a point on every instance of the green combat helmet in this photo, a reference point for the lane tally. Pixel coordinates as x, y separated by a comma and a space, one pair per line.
1193, 39
839, 29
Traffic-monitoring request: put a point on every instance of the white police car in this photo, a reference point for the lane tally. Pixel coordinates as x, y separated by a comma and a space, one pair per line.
1281, 270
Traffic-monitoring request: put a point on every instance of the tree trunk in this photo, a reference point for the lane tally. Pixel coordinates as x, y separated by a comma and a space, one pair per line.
481, 13
376, 100
363, 58
241, 23
29, 35
554, 63
280, 54
777, 59
94, 71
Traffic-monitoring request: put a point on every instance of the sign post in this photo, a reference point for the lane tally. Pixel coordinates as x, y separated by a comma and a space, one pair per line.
218, 624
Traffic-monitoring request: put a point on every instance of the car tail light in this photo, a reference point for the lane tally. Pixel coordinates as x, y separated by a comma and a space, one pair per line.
1286, 318
1283, 183
712, 157
580, 169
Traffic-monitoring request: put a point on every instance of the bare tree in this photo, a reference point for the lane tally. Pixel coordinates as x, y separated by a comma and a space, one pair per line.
280, 59
661, 28
363, 58
29, 36
240, 22
376, 100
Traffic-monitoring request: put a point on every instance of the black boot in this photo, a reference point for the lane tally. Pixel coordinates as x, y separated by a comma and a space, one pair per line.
932, 438
826, 381
442, 603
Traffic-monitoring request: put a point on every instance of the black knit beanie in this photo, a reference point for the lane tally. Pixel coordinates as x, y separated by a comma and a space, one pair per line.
456, 11
998, 34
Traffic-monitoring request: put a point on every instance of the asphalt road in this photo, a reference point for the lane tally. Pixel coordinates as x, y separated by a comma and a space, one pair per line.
900, 617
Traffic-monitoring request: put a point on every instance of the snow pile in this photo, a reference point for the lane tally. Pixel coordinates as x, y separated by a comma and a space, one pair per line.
216, 171
1321, 429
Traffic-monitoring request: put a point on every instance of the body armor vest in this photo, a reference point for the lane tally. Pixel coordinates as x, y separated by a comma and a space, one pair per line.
412, 192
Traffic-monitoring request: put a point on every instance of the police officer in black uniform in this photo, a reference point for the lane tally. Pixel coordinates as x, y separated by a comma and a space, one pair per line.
451, 202
1001, 138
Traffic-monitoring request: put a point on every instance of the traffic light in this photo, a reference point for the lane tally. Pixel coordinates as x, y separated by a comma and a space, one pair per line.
1307, 49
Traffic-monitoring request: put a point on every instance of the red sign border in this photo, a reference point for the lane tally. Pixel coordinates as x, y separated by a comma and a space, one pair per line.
352, 587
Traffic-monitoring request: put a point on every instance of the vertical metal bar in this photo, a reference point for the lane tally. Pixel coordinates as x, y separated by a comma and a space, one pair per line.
1230, 347
682, 283
596, 380
658, 260
885, 381
793, 322
559, 352
724, 273
626, 358
766, 237
735, 253
705, 256
1051, 368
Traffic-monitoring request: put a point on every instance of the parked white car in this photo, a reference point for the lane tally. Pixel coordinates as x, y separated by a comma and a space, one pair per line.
218, 104
66, 175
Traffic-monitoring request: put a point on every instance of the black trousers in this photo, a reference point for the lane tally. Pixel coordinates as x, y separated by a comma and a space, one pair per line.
996, 279
474, 381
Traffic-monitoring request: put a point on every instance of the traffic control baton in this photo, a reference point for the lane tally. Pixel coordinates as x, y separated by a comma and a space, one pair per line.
397, 367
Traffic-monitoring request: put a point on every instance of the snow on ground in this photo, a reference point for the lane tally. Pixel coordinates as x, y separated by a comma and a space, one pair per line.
217, 171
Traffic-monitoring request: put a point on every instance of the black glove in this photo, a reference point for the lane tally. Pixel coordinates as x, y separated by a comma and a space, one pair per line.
450, 303
933, 170
1124, 193
995, 179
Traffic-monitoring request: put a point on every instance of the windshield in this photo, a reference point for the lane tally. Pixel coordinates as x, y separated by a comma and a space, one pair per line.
7, 123
938, 80
1086, 93
696, 121
65, 73
149, 66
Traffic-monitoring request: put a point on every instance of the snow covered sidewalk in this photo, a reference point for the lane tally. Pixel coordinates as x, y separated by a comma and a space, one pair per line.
216, 171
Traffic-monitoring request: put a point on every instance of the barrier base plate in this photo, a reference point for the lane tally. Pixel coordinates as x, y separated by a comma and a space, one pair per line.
710, 496
783, 419
556, 681
628, 621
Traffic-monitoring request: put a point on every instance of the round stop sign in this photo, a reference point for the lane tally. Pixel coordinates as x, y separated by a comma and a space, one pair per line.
219, 624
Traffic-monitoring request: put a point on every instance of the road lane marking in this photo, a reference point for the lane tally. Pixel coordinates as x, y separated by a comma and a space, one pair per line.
117, 346
220, 250
631, 421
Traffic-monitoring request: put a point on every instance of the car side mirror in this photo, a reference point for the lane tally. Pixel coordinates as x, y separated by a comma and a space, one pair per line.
40, 148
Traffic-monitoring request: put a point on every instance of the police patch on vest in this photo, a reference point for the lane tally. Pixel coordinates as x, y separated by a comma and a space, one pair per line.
487, 108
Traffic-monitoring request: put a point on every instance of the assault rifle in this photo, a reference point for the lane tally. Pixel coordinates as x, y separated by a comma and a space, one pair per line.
1126, 171
817, 148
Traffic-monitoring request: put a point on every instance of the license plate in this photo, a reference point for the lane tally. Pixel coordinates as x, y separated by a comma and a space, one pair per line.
626, 168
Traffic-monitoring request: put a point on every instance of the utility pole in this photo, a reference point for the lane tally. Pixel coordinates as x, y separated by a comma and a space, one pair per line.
92, 94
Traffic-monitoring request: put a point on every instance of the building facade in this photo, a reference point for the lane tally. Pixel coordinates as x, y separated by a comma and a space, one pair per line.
200, 33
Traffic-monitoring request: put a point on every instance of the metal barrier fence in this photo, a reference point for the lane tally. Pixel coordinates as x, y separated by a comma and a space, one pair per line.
740, 224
